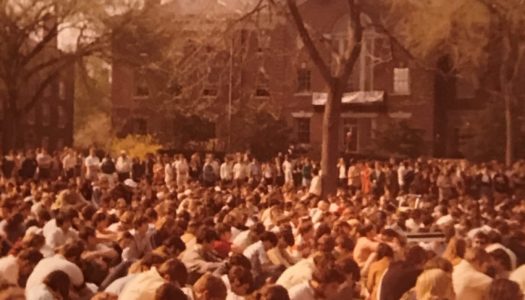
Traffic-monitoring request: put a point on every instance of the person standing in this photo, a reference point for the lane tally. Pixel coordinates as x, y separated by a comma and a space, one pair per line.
69, 163
92, 165
341, 167
226, 171
287, 170
44, 161
123, 166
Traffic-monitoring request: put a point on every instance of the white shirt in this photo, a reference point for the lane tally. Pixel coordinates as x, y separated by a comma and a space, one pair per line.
256, 252
469, 283
342, 171
401, 171
118, 285
169, 174
226, 171
123, 165
299, 273
69, 162
92, 164
39, 292
287, 169
241, 239
56, 237
518, 276
54, 263
302, 291
239, 171
9, 269
143, 286
315, 186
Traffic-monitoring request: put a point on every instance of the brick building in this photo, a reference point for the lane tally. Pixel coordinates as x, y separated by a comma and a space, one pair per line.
273, 69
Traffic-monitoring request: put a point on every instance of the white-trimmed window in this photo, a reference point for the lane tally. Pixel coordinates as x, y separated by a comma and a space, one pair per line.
402, 81
304, 79
303, 130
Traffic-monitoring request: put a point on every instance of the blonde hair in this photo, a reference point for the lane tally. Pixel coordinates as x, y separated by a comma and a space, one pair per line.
456, 249
434, 284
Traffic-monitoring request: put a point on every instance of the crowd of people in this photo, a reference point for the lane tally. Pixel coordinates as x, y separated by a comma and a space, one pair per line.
166, 227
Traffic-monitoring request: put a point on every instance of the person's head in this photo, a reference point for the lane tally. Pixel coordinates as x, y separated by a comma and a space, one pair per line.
367, 231
273, 292
141, 225
480, 240
504, 289
169, 291
438, 262
383, 250
416, 256
175, 271
175, 245
326, 281
209, 287
104, 296
100, 221
58, 282
72, 251
27, 260
88, 235
349, 268
224, 232
501, 260
205, 236
434, 284
241, 280
478, 258
237, 259
269, 240
63, 220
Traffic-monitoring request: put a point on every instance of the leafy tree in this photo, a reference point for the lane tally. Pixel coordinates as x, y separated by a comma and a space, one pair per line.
269, 136
30, 60
482, 38
401, 140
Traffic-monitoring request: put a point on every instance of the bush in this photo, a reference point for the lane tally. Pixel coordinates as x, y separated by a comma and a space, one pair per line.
135, 145
401, 140
96, 131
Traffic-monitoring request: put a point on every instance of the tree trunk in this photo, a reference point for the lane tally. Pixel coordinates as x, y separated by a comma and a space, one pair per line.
509, 132
330, 144
11, 130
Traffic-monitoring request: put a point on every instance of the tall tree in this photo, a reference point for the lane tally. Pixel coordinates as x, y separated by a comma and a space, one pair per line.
30, 57
483, 39
336, 79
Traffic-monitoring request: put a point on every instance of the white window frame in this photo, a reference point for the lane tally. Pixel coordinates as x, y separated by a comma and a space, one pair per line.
401, 81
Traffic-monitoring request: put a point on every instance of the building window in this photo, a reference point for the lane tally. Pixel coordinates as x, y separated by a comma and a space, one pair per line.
401, 81
304, 78
262, 88
141, 86
45, 114
303, 130
351, 131
62, 118
140, 126
62, 90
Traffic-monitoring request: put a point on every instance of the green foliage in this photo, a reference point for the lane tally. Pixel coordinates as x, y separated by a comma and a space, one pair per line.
487, 141
95, 131
135, 145
400, 139
192, 129
269, 136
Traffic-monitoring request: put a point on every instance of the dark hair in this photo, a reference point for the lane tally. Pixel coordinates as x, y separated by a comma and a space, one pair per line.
72, 250
237, 259
502, 257
504, 289
327, 274
62, 217
59, 282
206, 235
347, 265
416, 255
88, 212
383, 250
270, 237
438, 262
32, 256
139, 221
86, 233
98, 218
174, 242
345, 242
168, 291
273, 292
240, 276
365, 229
175, 270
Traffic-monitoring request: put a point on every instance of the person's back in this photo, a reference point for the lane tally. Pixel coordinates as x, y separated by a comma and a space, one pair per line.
468, 279
397, 280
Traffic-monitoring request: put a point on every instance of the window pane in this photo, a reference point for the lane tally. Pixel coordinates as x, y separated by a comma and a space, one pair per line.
402, 81
303, 130
303, 80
